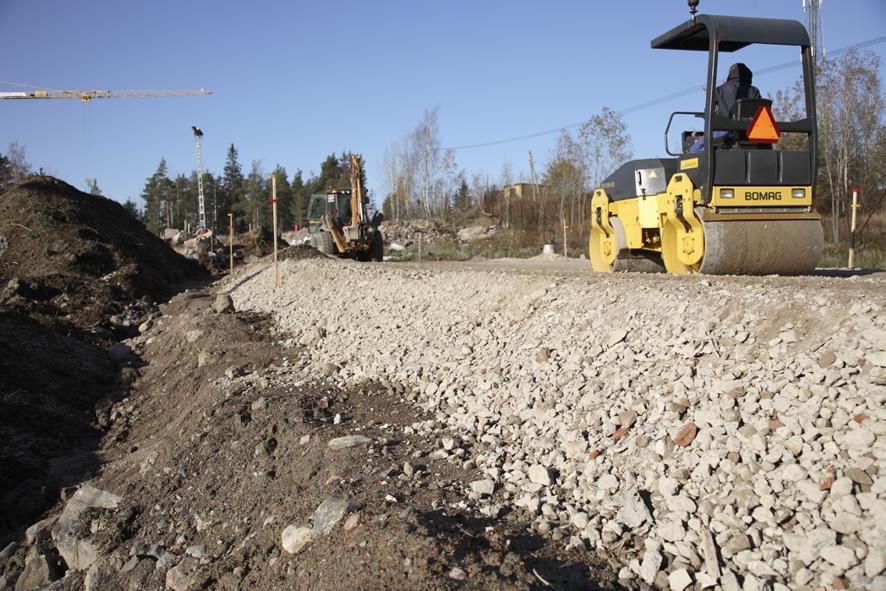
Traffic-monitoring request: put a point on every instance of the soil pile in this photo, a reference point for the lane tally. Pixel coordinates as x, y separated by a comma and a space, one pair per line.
69, 256
76, 272
255, 243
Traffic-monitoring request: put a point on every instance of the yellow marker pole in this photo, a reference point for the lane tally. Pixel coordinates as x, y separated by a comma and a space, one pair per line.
231, 241
419, 247
274, 216
852, 229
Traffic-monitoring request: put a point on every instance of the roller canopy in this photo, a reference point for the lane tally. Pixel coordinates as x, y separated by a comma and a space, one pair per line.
733, 32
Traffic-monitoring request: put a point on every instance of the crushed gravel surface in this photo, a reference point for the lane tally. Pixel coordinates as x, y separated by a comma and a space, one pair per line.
702, 431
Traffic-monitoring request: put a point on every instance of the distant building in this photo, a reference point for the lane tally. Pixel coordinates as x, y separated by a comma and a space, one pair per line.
521, 191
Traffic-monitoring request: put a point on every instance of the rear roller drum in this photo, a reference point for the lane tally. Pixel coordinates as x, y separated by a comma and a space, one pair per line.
762, 247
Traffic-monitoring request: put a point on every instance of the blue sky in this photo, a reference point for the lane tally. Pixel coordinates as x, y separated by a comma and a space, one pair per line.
294, 81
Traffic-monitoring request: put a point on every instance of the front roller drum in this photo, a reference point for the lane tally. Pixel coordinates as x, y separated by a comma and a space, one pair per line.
761, 247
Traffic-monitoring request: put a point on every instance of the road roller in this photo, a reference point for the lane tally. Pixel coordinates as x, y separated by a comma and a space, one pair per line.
728, 200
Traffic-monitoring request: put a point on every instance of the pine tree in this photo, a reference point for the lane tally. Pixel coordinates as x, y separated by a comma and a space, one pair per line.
284, 200
300, 198
5, 172
130, 206
156, 194
232, 190
462, 195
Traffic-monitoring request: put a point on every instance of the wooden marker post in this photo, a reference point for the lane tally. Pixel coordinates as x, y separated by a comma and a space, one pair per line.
274, 219
852, 229
231, 241
565, 247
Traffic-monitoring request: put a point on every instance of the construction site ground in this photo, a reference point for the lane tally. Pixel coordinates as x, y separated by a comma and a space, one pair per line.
507, 424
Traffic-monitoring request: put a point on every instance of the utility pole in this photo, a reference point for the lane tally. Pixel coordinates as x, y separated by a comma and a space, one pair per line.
812, 8
201, 205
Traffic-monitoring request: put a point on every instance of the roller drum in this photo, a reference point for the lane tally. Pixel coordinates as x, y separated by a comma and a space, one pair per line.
761, 247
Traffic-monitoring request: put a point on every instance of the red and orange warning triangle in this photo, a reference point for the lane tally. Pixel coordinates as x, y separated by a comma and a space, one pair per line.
764, 129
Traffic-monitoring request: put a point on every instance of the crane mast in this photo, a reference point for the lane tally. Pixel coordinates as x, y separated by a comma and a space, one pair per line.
201, 203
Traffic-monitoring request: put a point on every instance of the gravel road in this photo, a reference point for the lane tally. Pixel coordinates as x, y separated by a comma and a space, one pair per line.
709, 432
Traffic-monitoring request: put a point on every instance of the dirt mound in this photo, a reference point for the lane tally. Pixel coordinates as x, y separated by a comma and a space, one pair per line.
255, 243
79, 258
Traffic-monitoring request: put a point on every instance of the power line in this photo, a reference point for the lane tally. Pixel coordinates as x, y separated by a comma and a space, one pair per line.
664, 99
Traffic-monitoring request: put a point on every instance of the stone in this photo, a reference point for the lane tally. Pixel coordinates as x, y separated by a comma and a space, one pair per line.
875, 562
483, 487
40, 531
858, 476
840, 556
807, 546
650, 566
196, 551
686, 435
634, 512
180, 577
538, 474
826, 359
709, 552
616, 336
351, 522
679, 579
347, 441
457, 573
40, 569
608, 482
223, 304
295, 538
860, 438
845, 523
627, 418
735, 544
681, 503
329, 513
102, 574
759, 568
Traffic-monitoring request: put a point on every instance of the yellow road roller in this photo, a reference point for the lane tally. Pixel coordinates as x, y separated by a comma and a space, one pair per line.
728, 201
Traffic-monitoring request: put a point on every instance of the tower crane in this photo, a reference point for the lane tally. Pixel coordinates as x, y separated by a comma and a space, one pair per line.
39, 93
88, 95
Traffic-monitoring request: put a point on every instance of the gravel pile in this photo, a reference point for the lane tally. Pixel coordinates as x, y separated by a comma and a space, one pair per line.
712, 432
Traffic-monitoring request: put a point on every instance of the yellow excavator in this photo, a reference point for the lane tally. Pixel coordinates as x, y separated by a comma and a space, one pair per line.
726, 202
339, 223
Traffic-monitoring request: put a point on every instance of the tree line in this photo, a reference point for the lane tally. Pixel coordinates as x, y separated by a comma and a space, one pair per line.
173, 202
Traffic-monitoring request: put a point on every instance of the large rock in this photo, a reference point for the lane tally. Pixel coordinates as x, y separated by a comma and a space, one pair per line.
79, 553
40, 569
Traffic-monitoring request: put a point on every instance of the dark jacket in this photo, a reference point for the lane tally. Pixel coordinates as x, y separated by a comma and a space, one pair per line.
737, 86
